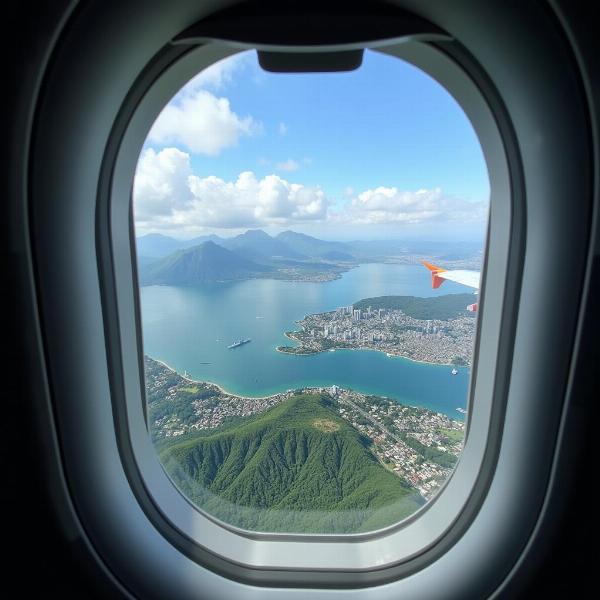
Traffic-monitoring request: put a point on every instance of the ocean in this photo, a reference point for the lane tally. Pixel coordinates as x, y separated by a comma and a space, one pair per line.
190, 328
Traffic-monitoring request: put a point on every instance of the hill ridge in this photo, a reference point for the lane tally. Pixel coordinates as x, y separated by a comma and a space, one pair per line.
280, 472
205, 263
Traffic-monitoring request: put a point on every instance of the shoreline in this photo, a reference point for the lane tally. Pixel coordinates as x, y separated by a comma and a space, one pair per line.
270, 396
219, 387
393, 355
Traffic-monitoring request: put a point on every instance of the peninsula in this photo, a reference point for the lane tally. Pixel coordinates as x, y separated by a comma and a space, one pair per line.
435, 330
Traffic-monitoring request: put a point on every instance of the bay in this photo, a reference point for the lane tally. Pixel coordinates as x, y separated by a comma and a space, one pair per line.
189, 328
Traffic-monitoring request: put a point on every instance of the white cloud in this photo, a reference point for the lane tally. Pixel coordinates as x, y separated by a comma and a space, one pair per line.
283, 128
202, 123
288, 165
249, 202
197, 120
160, 185
168, 196
217, 76
390, 205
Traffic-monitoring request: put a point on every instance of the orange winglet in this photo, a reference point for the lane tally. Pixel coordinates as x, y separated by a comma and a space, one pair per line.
436, 280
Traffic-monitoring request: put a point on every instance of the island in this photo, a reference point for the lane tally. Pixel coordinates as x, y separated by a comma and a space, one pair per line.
416, 445
437, 330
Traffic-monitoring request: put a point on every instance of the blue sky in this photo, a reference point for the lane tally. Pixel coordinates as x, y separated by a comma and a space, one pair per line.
380, 152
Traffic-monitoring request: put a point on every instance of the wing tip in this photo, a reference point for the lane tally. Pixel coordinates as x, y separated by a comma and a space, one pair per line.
436, 280
433, 268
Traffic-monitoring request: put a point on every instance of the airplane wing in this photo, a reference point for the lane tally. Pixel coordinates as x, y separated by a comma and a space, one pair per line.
469, 278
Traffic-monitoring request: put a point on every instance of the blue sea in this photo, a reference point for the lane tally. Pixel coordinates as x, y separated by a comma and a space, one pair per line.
190, 328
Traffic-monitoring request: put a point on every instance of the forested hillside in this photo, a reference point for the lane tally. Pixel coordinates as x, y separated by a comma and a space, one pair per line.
444, 307
297, 467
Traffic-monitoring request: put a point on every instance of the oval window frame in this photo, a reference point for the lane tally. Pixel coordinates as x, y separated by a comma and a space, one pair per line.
358, 553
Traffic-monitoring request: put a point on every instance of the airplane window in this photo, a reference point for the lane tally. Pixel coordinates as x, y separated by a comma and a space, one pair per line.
277, 289
309, 254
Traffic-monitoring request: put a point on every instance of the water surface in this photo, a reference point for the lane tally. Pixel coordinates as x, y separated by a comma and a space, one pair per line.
187, 327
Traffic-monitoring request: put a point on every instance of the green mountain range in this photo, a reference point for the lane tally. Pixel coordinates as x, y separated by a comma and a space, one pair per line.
288, 255
291, 244
297, 467
205, 263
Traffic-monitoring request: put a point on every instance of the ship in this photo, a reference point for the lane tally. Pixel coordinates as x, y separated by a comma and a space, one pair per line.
454, 371
239, 343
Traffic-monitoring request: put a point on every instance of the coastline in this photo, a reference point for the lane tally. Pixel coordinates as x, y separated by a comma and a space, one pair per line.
393, 355
219, 387
401, 402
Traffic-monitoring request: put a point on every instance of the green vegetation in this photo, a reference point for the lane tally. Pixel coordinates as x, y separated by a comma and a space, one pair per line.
443, 308
454, 435
297, 467
190, 389
294, 350
444, 459
325, 344
326, 425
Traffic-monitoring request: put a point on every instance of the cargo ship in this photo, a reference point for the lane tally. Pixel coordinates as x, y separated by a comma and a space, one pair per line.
239, 343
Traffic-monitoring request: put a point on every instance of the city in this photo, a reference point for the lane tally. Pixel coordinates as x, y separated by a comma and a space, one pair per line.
440, 341
419, 445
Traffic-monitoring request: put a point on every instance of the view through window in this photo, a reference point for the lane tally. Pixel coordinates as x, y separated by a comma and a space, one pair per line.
309, 251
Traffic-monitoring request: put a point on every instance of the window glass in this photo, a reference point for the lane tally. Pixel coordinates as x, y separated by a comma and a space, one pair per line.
309, 253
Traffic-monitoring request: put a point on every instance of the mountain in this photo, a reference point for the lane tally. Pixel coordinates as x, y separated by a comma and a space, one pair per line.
205, 263
314, 247
258, 245
156, 245
297, 467
204, 238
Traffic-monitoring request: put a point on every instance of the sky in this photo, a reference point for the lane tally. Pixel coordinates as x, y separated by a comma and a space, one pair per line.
382, 152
